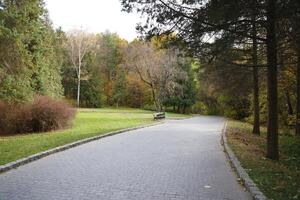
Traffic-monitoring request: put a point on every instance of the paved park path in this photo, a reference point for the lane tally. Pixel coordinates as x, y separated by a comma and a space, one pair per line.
177, 160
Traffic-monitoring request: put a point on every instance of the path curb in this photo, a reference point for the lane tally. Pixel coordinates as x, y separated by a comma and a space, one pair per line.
241, 172
34, 157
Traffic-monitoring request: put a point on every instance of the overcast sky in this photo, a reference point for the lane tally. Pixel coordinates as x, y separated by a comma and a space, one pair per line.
93, 15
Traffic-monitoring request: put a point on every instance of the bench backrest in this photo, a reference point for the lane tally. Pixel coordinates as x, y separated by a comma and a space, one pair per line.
159, 115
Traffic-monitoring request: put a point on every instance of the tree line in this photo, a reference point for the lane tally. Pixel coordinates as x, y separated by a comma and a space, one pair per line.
110, 71
89, 70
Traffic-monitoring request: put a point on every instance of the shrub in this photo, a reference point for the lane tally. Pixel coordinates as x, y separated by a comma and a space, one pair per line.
42, 115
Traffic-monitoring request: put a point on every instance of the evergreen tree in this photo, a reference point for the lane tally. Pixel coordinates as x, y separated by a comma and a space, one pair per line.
119, 88
29, 61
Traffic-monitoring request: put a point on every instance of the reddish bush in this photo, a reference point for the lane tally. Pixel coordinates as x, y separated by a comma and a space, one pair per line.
43, 114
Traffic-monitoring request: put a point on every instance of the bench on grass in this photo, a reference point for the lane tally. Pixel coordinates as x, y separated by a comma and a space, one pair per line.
159, 115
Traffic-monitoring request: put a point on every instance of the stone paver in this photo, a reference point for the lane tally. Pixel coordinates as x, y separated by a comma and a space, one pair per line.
178, 160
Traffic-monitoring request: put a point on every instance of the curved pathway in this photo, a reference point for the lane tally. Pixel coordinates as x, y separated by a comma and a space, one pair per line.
178, 160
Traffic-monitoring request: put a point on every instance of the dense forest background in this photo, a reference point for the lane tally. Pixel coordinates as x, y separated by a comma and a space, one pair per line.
158, 72
35, 59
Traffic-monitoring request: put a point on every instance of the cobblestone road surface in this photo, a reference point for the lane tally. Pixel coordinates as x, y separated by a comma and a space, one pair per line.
178, 160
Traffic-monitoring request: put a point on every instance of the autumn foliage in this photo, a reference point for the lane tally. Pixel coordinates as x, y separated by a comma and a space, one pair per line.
42, 115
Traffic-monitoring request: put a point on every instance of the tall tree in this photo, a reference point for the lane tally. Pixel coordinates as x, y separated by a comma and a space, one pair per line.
256, 121
78, 44
156, 68
294, 5
272, 141
119, 87
298, 91
142, 59
109, 58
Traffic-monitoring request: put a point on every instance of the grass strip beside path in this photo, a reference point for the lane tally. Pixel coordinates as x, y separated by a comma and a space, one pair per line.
277, 180
88, 123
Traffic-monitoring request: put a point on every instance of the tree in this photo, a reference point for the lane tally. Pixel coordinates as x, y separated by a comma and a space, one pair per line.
298, 89
294, 5
119, 87
256, 121
109, 58
272, 129
142, 59
183, 95
78, 44
156, 68
29, 61
92, 83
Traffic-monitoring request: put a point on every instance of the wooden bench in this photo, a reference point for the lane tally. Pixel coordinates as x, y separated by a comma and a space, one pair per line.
159, 115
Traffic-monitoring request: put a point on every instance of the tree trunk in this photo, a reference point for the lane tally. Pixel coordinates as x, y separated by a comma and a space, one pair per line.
79, 77
256, 122
78, 84
154, 98
289, 103
272, 130
298, 95
178, 108
78, 92
297, 41
184, 109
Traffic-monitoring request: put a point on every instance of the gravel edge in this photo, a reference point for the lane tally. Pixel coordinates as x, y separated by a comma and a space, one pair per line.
34, 157
241, 172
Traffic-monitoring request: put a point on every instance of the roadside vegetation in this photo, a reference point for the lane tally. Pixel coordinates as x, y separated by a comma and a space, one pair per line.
278, 180
42, 115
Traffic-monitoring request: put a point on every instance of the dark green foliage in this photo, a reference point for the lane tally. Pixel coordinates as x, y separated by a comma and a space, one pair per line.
184, 94
119, 87
109, 58
234, 107
69, 81
29, 57
91, 83
225, 88
91, 93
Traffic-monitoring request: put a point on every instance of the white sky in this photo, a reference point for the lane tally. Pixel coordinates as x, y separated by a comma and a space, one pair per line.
94, 16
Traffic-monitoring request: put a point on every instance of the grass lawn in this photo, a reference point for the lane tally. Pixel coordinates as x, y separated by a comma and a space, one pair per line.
278, 180
176, 116
88, 123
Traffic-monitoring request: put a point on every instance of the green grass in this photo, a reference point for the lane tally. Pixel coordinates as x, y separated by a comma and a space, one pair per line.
177, 116
88, 123
278, 180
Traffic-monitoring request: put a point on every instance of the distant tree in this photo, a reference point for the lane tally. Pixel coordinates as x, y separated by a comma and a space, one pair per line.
78, 44
92, 83
109, 56
137, 92
184, 94
143, 60
156, 68
119, 87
